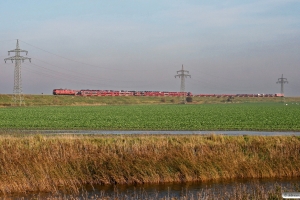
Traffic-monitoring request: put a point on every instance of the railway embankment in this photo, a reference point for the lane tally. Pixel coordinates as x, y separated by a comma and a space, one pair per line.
65, 100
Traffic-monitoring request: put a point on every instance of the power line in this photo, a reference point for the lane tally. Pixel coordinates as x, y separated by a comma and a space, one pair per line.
76, 78
222, 77
218, 87
7, 40
106, 68
74, 73
296, 87
61, 76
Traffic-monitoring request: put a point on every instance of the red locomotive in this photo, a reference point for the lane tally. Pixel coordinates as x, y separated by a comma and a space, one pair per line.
65, 92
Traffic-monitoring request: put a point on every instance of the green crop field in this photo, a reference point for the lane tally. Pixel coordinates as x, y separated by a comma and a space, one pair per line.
255, 116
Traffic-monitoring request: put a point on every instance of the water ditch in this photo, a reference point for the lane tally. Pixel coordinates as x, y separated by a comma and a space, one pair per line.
197, 188
194, 190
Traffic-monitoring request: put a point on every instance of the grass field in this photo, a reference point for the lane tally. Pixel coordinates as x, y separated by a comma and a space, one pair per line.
34, 162
246, 116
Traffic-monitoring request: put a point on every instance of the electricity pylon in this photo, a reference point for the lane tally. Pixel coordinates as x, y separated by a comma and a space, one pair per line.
182, 74
17, 93
282, 81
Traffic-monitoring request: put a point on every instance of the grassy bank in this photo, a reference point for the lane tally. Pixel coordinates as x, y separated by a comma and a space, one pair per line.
50, 100
52, 163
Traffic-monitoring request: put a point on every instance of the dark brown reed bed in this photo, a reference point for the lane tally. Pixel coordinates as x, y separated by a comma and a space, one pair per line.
51, 163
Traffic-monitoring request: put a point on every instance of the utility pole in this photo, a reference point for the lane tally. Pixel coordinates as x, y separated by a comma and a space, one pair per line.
282, 81
182, 74
17, 93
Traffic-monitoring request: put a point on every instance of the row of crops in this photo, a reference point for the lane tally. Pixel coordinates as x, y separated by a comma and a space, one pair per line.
256, 116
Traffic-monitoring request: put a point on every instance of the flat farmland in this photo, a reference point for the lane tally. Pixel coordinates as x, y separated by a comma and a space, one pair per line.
246, 116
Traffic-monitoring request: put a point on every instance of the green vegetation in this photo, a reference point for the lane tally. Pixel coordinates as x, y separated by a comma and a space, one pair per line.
35, 162
252, 116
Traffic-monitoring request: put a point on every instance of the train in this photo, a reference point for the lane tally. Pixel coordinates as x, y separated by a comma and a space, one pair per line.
87, 92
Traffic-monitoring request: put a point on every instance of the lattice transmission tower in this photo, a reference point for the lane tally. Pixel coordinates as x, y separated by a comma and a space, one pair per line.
17, 93
282, 81
182, 74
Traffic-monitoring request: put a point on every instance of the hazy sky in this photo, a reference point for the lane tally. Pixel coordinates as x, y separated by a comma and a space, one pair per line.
227, 46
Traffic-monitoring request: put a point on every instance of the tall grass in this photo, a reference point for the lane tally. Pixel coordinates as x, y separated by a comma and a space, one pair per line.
51, 163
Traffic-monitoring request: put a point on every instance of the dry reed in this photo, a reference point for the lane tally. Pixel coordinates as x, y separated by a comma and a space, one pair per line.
52, 163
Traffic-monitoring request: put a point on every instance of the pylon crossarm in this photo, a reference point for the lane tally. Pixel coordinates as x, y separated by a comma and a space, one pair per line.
182, 71
17, 58
25, 58
18, 50
11, 58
